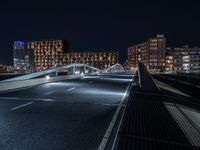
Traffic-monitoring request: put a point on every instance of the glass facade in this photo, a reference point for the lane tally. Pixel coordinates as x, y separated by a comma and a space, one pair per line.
183, 60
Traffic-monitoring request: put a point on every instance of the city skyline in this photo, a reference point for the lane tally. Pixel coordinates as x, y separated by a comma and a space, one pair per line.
30, 56
98, 25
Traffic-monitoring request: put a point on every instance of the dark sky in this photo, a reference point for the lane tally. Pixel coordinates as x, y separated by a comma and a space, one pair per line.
98, 24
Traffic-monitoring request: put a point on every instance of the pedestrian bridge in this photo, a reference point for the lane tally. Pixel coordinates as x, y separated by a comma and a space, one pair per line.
115, 68
71, 69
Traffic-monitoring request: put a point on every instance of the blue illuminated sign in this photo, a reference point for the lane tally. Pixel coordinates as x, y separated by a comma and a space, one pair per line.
19, 43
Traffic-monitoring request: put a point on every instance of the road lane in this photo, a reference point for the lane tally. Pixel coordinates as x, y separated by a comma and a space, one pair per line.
75, 119
84, 92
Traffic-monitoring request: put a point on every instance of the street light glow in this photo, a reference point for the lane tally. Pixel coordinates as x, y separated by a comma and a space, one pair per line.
47, 77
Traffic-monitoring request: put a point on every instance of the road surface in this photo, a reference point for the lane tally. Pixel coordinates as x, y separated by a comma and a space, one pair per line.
71, 114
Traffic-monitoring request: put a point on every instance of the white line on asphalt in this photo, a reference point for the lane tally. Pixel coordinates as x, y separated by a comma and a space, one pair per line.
108, 104
198, 86
120, 123
185, 123
20, 106
169, 88
104, 141
91, 82
185, 82
71, 89
21, 98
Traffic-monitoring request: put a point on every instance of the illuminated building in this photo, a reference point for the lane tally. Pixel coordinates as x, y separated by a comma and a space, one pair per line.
38, 55
43, 54
151, 53
6, 68
100, 60
135, 55
183, 60
20, 56
47, 53
156, 51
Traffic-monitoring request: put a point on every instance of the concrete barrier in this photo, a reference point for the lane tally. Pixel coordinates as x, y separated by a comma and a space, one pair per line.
145, 80
7, 86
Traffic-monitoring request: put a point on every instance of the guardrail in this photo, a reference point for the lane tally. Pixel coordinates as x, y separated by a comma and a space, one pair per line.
7, 86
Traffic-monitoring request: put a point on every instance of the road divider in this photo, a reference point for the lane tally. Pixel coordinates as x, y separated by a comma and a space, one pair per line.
145, 80
12, 85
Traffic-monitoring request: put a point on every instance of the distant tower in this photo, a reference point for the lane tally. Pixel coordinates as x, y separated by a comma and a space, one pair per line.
19, 56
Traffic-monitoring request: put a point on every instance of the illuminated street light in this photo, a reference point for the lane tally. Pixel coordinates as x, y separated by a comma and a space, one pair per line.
86, 71
47, 77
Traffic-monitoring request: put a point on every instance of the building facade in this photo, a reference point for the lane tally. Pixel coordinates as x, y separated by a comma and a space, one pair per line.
47, 53
100, 60
183, 60
30, 56
136, 54
151, 53
38, 55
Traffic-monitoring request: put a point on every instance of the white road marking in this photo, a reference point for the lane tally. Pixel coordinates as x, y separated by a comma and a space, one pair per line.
71, 89
188, 127
120, 123
91, 82
21, 98
49, 92
198, 86
20, 106
104, 141
169, 88
185, 82
103, 104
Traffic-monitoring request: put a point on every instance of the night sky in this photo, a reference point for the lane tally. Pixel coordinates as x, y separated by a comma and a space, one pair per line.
98, 24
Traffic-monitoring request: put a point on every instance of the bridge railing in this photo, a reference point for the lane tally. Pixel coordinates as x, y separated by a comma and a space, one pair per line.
71, 69
115, 68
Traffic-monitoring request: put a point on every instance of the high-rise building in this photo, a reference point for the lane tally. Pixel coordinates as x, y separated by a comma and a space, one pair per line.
183, 60
137, 54
156, 51
100, 60
151, 53
38, 55
20, 56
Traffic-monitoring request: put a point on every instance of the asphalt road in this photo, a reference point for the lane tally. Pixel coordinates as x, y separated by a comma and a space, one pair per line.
73, 114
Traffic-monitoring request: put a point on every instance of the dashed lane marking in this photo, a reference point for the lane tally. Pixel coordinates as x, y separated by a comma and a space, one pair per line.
71, 89
20, 106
